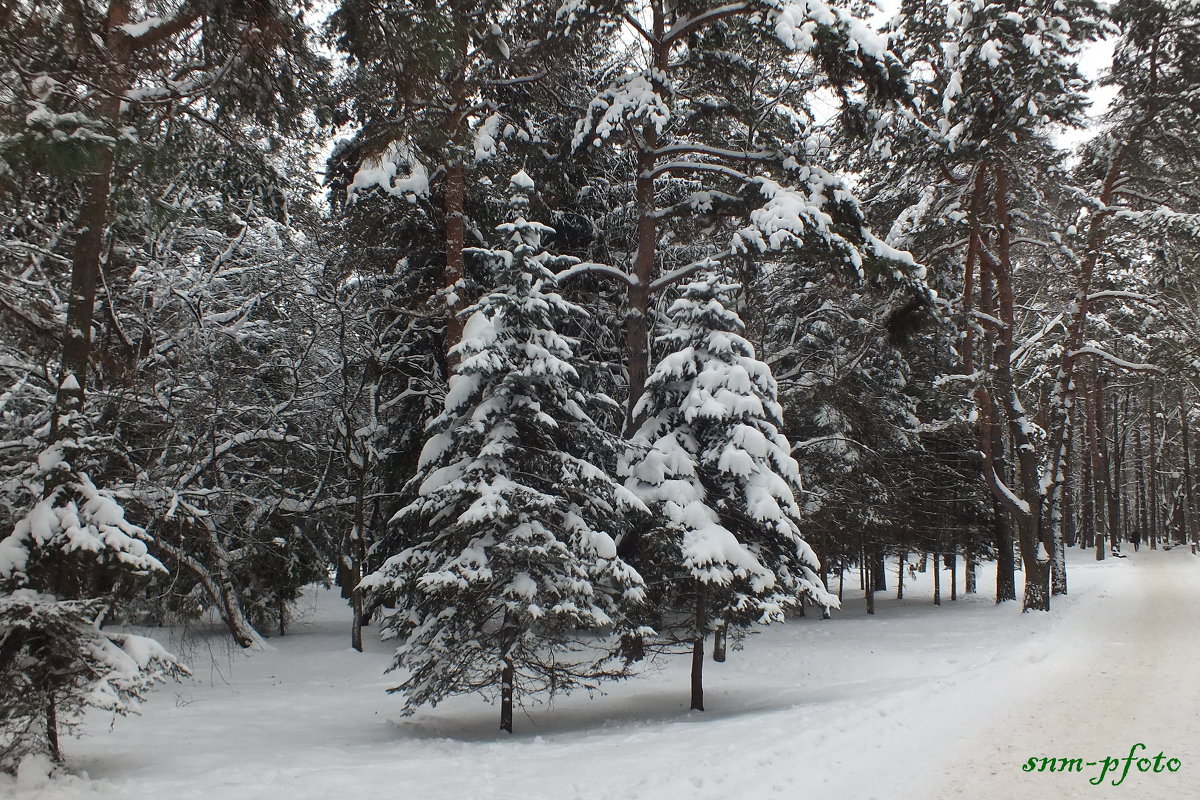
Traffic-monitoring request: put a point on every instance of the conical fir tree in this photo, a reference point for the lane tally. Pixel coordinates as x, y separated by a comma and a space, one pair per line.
510, 565
710, 461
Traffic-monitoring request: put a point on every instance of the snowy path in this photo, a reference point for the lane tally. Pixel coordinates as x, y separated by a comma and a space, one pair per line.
917, 702
1124, 673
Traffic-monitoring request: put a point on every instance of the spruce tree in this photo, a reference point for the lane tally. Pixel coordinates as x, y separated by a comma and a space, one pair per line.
505, 559
709, 459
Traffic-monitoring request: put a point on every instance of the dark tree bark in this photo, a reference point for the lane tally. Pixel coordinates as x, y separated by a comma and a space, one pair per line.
720, 636
1189, 534
507, 676
879, 570
52, 728
870, 589
953, 567
1154, 497
1099, 467
937, 579
1006, 566
701, 623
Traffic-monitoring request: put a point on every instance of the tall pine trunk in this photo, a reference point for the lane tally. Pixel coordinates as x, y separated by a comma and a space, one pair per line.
1189, 533
637, 319
937, 578
701, 624
507, 676
1006, 567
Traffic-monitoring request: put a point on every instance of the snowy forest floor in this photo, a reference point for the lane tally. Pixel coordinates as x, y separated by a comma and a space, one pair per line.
916, 702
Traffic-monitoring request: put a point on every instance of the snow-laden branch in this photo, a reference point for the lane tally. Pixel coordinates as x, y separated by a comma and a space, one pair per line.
764, 156
1149, 300
1025, 346
592, 268
686, 26
1003, 493
989, 319
1132, 366
696, 166
675, 275
637, 26
823, 439
153, 30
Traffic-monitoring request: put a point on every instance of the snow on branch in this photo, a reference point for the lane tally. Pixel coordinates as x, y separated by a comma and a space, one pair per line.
593, 268
765, 156
1115, 361
384, 172
1107, 294
989, 319
676, 275
153, 30
697, 166
631, 98
1003, 493
796, 22
685, 26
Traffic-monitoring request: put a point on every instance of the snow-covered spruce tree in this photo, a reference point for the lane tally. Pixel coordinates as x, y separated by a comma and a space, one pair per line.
57, 566
725, 551
507, 560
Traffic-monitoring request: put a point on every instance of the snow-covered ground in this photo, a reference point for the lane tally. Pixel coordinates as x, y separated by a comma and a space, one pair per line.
916, 702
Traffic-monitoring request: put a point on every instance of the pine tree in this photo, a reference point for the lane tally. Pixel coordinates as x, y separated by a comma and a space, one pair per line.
509, 559
710, 460
986, 190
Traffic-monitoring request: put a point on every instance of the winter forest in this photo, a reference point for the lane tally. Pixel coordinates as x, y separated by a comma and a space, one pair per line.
555, 361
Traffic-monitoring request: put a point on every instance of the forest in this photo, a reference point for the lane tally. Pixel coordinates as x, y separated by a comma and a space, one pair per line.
561, 337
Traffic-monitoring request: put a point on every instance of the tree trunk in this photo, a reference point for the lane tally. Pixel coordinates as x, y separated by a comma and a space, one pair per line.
937, 579
1058, 575
1153, 496
701, 623
971, 577
1099, 466
1037, 585
220, 590
454, 202
637, 320
1188, 506
1116, 499
91, 223
508, 638
52, 728
356, 556
1142, 514
1006, 567
953, 576
1087, 513
900, 575
870, 589
506, 695
456, 227
719, 642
